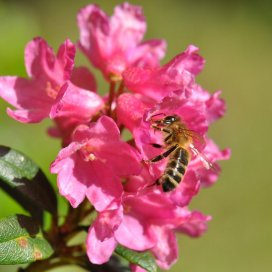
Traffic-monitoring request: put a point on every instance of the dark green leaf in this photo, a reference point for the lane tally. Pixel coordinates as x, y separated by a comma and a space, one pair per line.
21, 241
113, 265
21, 178
142, 259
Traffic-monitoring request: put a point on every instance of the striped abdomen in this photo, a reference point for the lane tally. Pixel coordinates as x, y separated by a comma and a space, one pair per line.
175, 169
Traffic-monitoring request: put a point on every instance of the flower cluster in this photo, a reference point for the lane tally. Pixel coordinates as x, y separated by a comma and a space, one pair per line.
96, 162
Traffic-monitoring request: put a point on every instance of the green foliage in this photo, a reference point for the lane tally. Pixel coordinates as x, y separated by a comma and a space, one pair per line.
142, 259
22, 179
21, 241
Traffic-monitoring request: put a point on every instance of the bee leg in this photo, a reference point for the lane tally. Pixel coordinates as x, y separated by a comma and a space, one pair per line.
161, 129
167, 137
157, 145
157, 182
166, 130
163, 155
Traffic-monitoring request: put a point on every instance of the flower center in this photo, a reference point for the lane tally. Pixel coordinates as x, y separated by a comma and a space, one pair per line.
87, 152
51, 91
127, 208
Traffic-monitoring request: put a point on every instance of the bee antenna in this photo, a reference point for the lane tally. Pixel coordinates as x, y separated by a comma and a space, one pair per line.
162, 113
157, 114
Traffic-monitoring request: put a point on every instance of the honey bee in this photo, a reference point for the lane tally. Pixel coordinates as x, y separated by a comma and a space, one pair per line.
178, 145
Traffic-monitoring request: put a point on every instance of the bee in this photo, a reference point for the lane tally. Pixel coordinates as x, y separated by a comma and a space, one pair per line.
178, 144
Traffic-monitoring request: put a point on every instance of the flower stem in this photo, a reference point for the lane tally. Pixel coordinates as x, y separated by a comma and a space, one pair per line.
111, 97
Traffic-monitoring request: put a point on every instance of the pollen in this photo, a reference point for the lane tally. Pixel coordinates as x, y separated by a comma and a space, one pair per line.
87, 152
127, 209
91, 157
51, 91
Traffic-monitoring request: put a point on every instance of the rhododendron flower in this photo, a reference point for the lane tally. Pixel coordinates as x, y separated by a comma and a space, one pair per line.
73, 106
113, 44
34, 97
195, 114
81, 165
49, 91
148, 221
120, 178
159, 82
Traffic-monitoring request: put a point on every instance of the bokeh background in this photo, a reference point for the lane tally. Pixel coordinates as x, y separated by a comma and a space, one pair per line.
235, 38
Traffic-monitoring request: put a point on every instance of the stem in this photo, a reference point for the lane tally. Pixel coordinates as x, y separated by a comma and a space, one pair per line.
111, 96
59, 237
120, 88
75, 216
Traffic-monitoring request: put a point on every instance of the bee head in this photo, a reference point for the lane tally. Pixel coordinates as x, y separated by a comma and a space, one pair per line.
170, 119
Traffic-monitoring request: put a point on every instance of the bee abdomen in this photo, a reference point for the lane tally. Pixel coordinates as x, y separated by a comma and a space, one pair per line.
175, 169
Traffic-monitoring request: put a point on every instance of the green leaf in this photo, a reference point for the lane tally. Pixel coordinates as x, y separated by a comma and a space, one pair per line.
142, 259
21, 241
22, 179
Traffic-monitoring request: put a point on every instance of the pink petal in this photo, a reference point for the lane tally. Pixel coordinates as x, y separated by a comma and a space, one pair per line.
189, 61
132, 234
196, 224
111, 43
98, 133
148, 54
37, 53
26, 116
65, 60
166, 248
42, 64
212, 154
94, 28
158, 83
71, 185
27, 96
75, 102
23, 93
83, 78
128, 161
104, 189
104, 137
156, 208
130, 110
107, 222
127, 26
188, 188
215, 107
98, 251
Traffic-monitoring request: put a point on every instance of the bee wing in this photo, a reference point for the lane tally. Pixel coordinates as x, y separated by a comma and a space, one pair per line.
198, 140
206, 162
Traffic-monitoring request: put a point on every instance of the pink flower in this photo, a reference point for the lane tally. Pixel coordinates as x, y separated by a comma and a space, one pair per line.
196, 224
49, 92
72, 107
34, 97
133, 110
159, 82
149, 221
113, 44
81, 165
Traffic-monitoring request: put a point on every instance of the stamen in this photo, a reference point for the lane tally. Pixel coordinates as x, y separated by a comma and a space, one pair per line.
50, 91
87, 152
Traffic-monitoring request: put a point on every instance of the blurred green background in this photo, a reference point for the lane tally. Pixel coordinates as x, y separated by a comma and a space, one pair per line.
235, 38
